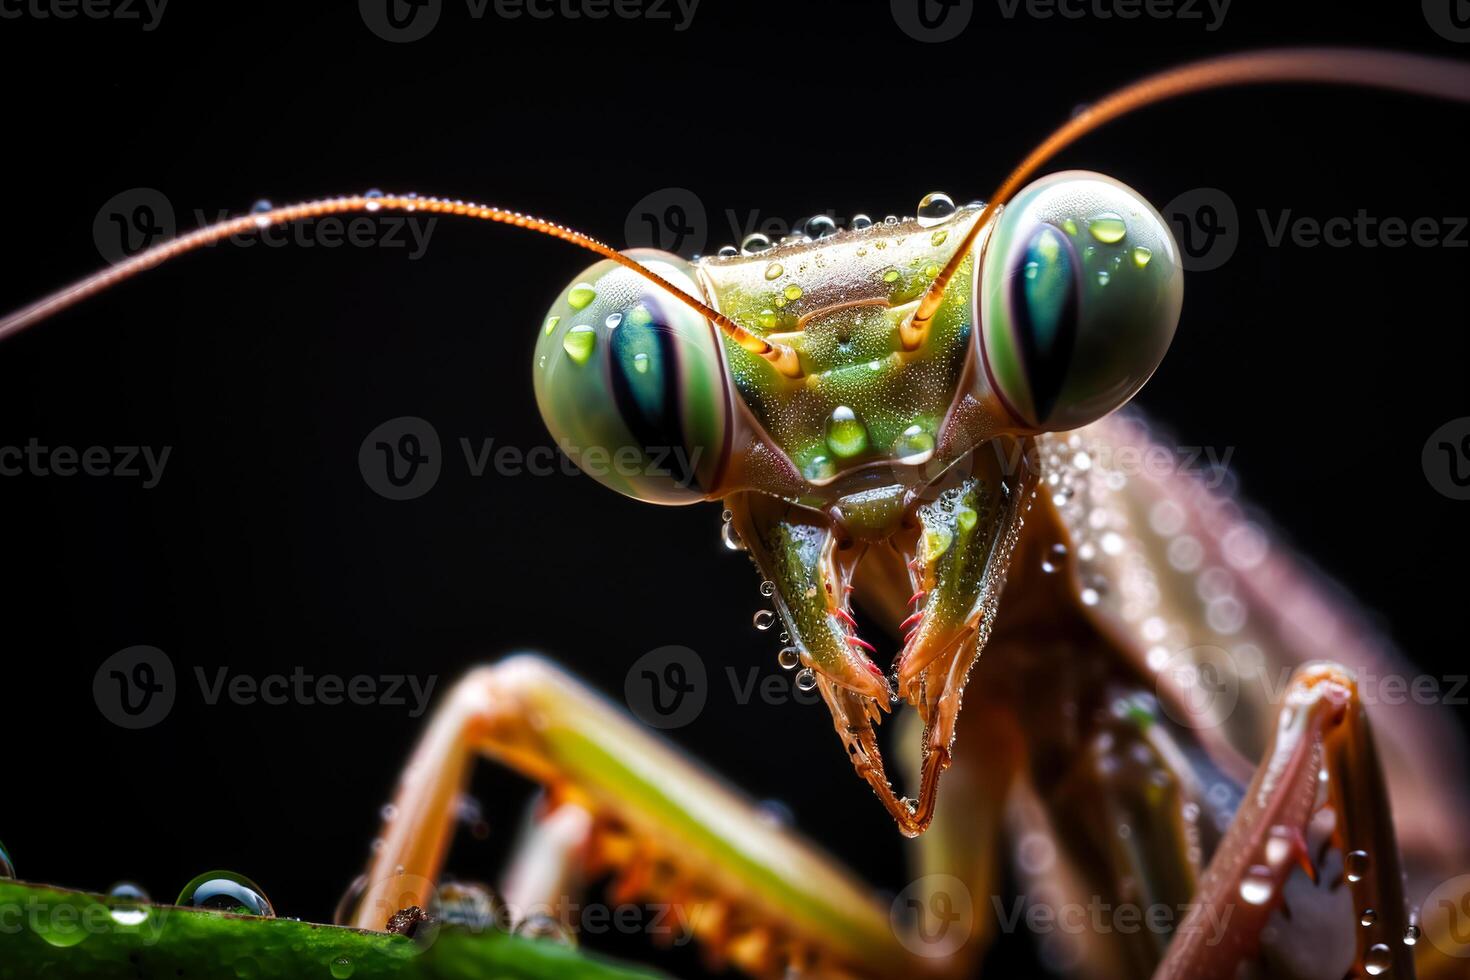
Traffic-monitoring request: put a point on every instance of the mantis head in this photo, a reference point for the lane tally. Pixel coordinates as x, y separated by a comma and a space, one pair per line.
899, 452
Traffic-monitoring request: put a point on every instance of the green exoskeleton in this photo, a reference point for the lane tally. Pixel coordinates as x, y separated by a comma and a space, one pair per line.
918, 416
877, 446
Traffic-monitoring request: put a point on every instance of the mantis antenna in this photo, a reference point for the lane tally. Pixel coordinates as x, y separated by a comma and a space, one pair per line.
781, 356
1344, 66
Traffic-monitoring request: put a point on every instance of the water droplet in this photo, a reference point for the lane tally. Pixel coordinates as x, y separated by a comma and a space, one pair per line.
785, 637
768, 588
1255, 887
1069, 226
1103, 277
545, 927
472, 906
372, 199
788, 658
1107, 228
127, 904
1368, 917
806, 679
1411, 934
861, 222
847, 436
764, 619
347, 904
342, 967
1355, 865
388, 812
774, 813
580, 295
913, 445
1141, 255
65, 923
767, 319
731, 537
727, 515
551, 323
640, 363
727, 252
1054, 558
578, 342
755, 242
774, 270
890, 274
891, 220
225, 891
792, 291
259, 208
612, 321
938, 238
819, 226
934, 208
1378, 960
7, 870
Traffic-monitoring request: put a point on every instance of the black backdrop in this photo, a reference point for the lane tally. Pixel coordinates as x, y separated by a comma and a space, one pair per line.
1325, 369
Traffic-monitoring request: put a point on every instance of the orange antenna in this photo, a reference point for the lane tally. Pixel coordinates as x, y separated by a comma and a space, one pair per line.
781, 356
1344, 66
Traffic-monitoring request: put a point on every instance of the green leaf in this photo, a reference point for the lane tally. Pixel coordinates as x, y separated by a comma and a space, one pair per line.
48, 932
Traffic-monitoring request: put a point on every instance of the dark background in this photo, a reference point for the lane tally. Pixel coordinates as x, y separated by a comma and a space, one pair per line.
1325, 368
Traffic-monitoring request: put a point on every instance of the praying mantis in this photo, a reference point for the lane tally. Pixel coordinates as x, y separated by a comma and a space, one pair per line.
926, 417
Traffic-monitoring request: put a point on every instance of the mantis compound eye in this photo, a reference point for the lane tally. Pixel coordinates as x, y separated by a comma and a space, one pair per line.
631, 382
1078, 299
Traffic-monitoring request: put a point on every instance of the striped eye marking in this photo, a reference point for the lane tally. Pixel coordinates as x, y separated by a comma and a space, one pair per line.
631, 383
1078, 298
